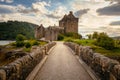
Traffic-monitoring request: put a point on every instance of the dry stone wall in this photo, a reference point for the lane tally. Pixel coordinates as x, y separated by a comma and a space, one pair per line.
104, 67
20, 68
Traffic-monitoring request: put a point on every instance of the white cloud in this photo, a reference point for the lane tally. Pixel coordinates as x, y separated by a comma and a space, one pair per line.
41, 7
9, 1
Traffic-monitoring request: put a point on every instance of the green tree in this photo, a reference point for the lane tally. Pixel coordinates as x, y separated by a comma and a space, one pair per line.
105, 41
28, 45
20, 37
73, 35
60, 37
89, 36
95, 35
20, 40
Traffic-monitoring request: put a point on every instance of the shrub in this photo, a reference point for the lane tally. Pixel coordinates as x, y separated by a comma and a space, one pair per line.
60, 37
69, 40
20, 44
105, 41
20, 37
73, 35
28, 45
36, 43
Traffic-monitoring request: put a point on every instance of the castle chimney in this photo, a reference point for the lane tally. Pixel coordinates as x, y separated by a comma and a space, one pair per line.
71, 12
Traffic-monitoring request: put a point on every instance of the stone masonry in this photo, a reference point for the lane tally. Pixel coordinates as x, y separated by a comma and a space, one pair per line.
104, 67
69, 23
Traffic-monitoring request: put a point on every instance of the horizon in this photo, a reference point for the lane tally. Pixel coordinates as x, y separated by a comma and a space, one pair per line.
94, 15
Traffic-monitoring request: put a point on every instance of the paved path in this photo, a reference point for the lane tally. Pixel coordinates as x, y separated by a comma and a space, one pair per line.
62, 65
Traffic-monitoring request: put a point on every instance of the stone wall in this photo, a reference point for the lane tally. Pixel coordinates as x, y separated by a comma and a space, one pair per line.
52, 32
39, 32
20, 68
69, 23
104, 67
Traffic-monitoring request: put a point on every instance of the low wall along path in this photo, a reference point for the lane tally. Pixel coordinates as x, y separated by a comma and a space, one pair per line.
104, 67
20, 68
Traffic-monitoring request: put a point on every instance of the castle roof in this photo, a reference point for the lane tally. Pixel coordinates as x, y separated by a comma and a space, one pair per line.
69, 16
41, 26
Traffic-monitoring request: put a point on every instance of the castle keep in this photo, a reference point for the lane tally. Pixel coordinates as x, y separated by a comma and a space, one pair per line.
69, 23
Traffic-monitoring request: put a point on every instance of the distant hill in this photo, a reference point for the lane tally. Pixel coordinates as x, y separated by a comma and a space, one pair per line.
9, 30
117, 37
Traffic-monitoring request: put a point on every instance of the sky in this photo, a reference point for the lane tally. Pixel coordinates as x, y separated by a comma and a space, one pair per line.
94, 15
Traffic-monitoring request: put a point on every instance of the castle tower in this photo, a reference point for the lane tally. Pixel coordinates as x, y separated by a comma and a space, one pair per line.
39, 32
69, 23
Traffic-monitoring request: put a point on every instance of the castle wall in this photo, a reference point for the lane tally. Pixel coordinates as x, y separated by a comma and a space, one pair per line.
69, 23
39, 32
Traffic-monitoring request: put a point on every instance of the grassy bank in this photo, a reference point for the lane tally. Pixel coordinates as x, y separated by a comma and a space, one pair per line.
110, 53
7, 55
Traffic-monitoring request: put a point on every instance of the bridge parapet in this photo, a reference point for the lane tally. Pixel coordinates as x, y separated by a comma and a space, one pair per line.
104, 67
20, 68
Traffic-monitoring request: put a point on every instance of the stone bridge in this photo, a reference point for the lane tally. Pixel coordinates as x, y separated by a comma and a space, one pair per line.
62, 61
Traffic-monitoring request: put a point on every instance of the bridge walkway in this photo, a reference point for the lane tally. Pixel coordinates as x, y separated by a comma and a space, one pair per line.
62, 65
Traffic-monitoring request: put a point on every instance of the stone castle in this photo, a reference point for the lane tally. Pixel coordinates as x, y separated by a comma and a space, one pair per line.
69, 23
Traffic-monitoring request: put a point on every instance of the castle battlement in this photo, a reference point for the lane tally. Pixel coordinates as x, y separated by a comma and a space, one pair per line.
69, 23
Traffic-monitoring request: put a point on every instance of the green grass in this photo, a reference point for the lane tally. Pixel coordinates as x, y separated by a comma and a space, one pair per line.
12, 46
108, 53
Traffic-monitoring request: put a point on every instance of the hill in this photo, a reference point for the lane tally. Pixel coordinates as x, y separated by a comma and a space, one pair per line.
9, 30
117, 37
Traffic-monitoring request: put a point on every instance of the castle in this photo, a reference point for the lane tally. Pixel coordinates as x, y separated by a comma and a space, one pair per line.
69, 23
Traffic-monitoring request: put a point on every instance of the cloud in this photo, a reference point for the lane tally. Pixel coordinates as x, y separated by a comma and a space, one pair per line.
81, 12
118, 1
41, 7
112, 10
57, 13
7, 9
116, 23
7, 1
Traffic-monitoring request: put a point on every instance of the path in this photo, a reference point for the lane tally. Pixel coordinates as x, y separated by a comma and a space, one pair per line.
62, 65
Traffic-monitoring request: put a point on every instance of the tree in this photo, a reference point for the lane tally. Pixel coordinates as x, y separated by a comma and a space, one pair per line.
89, 36
105, 41
20, 40
73, 35
20, 37
95, 35
60, 37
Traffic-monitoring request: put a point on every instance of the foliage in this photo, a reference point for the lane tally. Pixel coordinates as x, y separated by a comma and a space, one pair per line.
20, 44
95, 35
89, 36
20, 37
115, 52
60, 37
69, 40
9, 30
36, 43
73, 35
105, 41
28, 45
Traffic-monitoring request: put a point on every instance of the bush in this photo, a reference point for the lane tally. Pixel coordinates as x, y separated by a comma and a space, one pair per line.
73, 35
28, 45
60, 37
20, 44
69, 40
20, 37
36, 43
105, 41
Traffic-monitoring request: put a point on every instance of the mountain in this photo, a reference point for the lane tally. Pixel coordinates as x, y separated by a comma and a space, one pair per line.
9, 30
117, 37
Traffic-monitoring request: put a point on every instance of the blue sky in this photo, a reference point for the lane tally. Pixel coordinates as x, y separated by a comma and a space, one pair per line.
94, 15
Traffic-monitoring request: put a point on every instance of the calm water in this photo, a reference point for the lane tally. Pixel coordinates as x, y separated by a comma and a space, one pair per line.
5, 42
